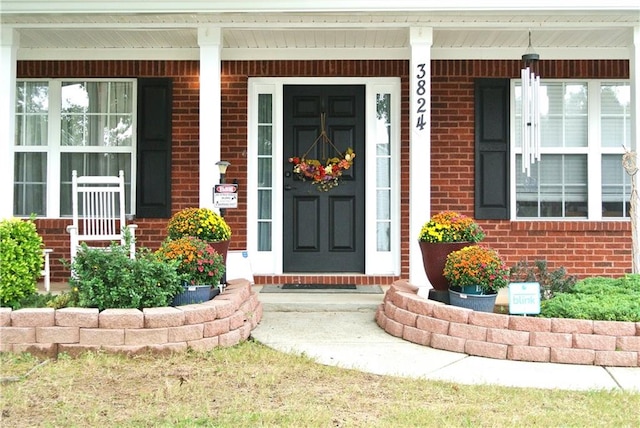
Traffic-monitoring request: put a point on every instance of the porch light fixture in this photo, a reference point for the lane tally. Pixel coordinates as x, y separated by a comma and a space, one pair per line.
530, 109
222, 167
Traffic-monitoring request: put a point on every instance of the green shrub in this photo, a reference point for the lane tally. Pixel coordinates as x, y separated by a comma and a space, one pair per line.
606, 299
110, 279
21, 260
551, 282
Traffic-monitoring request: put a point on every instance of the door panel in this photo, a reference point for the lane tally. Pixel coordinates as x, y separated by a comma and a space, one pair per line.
324, 231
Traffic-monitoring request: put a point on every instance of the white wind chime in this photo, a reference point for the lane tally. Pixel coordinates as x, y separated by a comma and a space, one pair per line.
530, 122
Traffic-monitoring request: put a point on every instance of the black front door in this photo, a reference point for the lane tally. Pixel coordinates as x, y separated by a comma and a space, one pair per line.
324, 230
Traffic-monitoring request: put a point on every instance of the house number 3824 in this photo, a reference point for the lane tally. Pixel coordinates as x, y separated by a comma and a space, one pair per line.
421, 101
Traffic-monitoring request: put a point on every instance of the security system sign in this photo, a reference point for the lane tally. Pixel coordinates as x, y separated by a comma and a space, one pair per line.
225, 196
524, 298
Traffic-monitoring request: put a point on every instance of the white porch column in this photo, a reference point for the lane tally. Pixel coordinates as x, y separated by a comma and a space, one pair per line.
9, 40
210, 42
421, 39
634, 77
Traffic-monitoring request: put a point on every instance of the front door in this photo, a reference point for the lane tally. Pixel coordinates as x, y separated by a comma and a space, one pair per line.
324, 230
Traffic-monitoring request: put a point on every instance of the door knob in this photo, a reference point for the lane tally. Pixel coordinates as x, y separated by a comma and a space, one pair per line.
288, 187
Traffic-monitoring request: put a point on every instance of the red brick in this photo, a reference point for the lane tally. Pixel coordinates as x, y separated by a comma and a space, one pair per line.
235, 299
452, 313
572, 356
101, 336
567, 325
628, 343
488, 319
42, 350
390, 309
401, 299
78, 317
145, 336
421, 306
163, 317
236, 320
486, 349
551, 340
405, 317
128, 350
245, 331
508, 337
616, 358
381, 317
197, 314
216, 328
168, 348
33, 317
57, 334
528, 353
614, 328
594, 341
185, 333
224, 308
466, 331
403, 285
394, 328
432, 325
121, 318
415, 335
17, 334
529, 323
448, 343
204, 344
75, 350
231, 338
5, 317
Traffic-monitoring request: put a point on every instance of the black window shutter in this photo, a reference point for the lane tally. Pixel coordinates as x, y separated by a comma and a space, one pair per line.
492, 148
153, 197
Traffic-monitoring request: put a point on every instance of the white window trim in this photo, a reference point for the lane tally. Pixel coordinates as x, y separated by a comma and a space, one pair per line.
594, 153
270, 262
54, 150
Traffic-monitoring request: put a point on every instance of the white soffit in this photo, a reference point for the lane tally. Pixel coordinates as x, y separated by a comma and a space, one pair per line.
328, 36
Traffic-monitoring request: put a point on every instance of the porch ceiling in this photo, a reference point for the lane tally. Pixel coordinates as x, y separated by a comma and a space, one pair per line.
247, 36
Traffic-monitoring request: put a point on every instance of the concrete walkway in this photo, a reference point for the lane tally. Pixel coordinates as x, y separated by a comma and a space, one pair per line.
339, 329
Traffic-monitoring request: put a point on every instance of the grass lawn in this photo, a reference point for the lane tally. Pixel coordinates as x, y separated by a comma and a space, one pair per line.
251, 385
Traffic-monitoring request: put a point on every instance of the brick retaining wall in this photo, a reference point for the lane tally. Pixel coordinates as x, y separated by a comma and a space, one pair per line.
224, 321
427, 322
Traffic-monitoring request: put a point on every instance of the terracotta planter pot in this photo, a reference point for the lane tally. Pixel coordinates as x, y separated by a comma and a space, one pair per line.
434, 255
222, 247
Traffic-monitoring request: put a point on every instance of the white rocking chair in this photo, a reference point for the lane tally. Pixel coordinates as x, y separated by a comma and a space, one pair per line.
98, 205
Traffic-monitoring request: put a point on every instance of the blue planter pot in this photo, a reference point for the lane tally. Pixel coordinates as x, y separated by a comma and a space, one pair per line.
477, 302
472, 289
192, 294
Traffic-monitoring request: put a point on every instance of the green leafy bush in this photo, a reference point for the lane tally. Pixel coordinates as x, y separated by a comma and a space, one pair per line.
110, 279
21, 260
551, 282
605, 299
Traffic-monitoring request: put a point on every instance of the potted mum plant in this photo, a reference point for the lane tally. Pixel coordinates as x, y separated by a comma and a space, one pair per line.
475, 274
202, 223
199, 266
445, 232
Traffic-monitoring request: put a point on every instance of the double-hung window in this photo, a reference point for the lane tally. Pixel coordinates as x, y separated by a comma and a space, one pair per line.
65, 125
585, 127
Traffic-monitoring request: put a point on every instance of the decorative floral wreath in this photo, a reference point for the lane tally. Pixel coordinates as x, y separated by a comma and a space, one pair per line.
325, 175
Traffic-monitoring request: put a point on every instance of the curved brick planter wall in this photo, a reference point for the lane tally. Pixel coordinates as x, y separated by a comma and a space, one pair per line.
426, 322
226, 320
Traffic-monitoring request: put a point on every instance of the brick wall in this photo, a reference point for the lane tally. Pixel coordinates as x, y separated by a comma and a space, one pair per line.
427, 322
584, 248
223, 321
